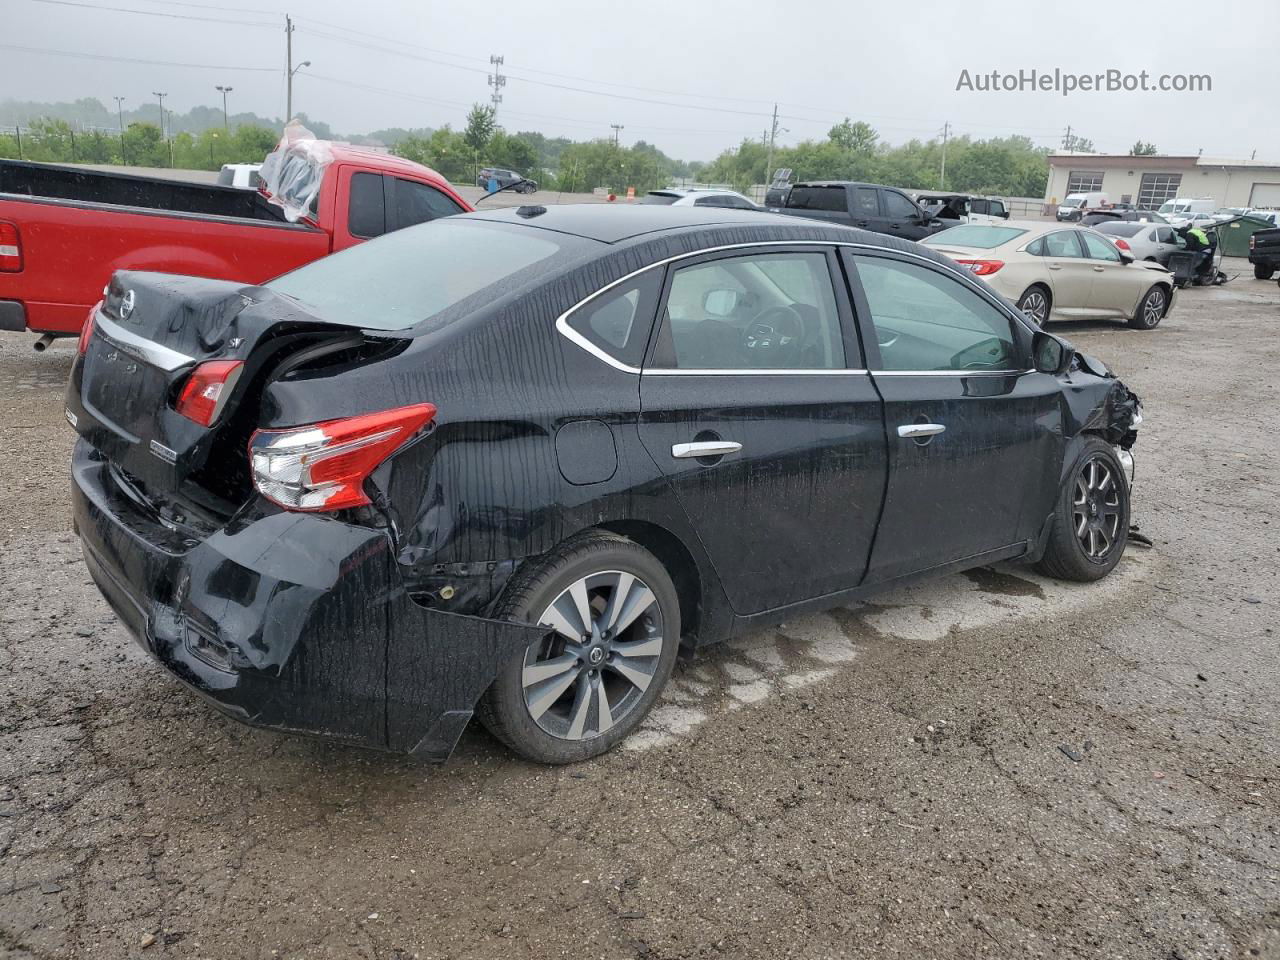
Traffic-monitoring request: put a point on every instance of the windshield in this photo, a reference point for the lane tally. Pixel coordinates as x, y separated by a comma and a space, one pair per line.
974, 235
1171, 206
411, 275
1073, 202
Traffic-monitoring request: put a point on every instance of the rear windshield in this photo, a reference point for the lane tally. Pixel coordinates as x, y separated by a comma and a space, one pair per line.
1123, 229
411, 275
974, 235
663, 198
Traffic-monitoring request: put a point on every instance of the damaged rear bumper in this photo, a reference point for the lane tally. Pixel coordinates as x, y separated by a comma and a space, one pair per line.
295, 622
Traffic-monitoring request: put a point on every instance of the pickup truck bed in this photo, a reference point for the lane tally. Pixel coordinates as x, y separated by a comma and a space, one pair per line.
65, 230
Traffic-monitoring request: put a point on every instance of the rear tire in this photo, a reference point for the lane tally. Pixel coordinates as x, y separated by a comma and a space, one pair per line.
1091, 517
1151, 310
1037, 303
579, 693
1261, 272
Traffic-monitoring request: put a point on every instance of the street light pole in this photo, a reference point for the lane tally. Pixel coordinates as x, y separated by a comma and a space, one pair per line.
120, 114
224, 91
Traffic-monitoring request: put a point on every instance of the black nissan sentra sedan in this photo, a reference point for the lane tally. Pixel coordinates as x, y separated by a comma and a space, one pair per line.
510, 463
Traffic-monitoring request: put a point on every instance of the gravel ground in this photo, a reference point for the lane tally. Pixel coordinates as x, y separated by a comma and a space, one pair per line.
989, 765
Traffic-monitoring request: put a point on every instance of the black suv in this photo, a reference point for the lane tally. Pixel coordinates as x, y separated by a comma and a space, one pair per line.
866, 205
505, 178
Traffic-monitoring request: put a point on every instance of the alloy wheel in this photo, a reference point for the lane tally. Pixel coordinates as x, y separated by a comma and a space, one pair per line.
1096, 508
1036, 306
595, 669
1153, 308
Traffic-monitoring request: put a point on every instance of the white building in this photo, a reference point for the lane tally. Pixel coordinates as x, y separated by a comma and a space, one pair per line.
1149, 181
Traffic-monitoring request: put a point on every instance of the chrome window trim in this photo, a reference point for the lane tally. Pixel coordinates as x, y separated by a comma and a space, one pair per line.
950, 373
751, 371
140, 348
566, 331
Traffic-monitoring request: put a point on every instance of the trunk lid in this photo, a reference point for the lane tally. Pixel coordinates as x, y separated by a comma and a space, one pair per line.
150, 332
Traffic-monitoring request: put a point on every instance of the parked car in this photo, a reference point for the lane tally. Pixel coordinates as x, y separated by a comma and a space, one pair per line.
457, 469
1076, 205
963, 208
1264, 253
1272, 216
865, 205
1202, 220
1143, 241
506, 178
1061, 273
242, 175
692, 197
54, 217
1113, 216
1181, 208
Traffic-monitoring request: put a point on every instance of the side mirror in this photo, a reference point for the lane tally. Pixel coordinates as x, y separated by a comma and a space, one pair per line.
720, 303
1004, 215
1051, 354
1125, 256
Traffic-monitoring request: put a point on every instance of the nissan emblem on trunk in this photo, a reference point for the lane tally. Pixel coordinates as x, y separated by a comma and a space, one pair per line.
126, 304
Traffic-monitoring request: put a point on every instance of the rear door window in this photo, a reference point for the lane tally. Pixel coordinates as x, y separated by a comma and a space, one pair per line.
366, 209
830, 198
865, 203
1062, 244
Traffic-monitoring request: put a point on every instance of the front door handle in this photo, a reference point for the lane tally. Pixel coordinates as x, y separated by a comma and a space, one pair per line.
704, 448
1098, 269
913, 430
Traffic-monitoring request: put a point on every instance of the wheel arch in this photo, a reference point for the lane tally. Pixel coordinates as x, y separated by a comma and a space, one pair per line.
679, 562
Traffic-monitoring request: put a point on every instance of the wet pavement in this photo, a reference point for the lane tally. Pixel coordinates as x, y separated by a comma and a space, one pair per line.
993, 764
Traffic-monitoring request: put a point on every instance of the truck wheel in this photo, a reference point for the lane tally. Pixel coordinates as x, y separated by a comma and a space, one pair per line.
1152, 309
1091, 517
616, 618
1263, 272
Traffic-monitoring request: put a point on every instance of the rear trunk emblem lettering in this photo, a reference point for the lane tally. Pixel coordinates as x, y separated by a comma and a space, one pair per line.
164, 453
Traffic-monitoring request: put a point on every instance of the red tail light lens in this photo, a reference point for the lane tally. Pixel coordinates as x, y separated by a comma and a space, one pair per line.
86, 333
323, 466
206, 391
981, 268
10, 247
1122, 243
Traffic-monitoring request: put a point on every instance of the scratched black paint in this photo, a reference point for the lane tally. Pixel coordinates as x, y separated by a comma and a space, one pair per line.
372, 626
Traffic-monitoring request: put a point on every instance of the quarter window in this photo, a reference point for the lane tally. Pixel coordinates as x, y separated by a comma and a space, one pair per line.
618, 322
772, 311
925, 320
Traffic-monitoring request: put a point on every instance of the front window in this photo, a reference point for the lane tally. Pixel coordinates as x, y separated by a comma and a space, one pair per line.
1097, 248
976, 235
412, 275
926, 320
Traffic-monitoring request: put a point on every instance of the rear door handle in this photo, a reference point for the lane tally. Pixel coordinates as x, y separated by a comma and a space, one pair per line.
920, 429
704, 448
1055, 266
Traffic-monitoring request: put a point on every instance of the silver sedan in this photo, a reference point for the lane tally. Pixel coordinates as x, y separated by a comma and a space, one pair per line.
1154, 242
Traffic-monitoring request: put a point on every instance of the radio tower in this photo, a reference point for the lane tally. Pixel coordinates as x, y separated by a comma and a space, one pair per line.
497, 81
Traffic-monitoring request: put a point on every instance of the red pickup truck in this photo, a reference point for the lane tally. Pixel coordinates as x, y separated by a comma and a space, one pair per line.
65, 230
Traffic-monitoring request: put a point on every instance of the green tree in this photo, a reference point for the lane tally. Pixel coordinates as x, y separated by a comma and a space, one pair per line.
1140, 149
511, 152
859, 137
480, 127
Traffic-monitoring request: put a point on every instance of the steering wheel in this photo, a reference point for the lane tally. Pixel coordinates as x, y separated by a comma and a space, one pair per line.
773, 338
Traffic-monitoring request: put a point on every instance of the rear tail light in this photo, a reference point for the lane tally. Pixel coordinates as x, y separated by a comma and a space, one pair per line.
86, 333
206, 391
323, 466
10, 247
981, 268
1122, 243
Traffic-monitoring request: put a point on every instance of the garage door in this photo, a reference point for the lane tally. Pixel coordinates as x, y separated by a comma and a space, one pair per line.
1265, 195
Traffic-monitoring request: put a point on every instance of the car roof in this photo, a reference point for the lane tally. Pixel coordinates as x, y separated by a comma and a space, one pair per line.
616, 222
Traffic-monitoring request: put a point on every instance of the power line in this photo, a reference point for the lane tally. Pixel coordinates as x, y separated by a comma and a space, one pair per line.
154, 63
156, 13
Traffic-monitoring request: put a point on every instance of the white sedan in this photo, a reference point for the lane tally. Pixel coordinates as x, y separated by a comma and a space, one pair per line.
1058, 272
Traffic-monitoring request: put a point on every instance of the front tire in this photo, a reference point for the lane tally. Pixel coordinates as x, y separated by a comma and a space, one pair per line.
1262, 272
1036, 302
1151, 310
616, 618
1091, 517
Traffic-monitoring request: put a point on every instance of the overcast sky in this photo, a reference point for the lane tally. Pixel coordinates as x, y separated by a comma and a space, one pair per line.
717, 68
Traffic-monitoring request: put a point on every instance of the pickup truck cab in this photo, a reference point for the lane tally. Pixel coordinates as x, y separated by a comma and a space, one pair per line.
963, 208
867, 205
65, 230
1264, 253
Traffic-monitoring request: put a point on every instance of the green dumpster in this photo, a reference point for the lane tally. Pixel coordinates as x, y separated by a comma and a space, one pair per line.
1233, 236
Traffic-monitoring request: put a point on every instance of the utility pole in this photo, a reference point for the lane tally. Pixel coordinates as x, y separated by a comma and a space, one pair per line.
224, 91
773, 136
120, 115
1068, 143
160, 97
497, 81
617, 128
942, 174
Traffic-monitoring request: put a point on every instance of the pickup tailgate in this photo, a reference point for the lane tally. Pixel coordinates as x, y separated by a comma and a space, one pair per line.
1265, 244
150, 334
